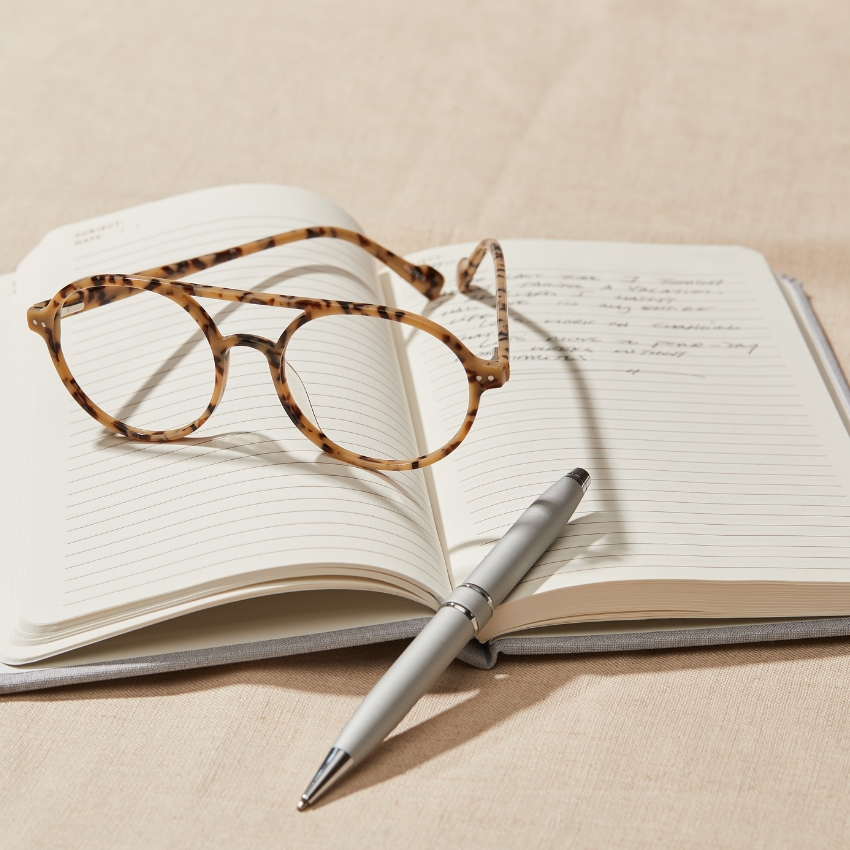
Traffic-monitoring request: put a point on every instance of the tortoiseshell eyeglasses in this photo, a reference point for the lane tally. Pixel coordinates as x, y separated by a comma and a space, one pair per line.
158, 361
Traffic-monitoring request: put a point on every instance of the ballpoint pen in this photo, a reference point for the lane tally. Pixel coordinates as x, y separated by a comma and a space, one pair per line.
460, 618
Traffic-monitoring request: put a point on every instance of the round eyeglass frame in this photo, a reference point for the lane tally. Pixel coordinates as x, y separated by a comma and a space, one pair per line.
91, 292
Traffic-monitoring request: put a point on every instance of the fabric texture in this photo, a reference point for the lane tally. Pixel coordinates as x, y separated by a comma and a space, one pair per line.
706, 121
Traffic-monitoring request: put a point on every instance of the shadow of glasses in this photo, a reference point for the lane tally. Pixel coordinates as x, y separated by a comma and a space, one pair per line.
601, 467
179, 354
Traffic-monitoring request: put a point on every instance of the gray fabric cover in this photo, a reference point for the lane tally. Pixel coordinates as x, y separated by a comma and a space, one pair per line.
483, 656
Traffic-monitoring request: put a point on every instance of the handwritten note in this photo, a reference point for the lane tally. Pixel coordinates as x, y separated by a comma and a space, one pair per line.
681, 393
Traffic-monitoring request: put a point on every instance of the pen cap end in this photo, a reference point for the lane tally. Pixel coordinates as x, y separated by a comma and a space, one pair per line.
581, 477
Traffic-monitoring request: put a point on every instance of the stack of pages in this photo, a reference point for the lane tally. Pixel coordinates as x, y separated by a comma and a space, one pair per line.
694, 386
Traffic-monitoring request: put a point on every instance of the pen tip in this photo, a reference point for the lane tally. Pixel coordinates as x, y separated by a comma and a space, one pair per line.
335, 765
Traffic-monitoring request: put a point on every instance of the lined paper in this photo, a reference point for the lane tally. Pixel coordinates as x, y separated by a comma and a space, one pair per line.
248, 499
677, 377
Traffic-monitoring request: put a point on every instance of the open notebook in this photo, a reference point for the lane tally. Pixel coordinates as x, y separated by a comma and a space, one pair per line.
696, 388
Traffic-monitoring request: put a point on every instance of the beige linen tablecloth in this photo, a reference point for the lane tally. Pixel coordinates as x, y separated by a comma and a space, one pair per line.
666, 121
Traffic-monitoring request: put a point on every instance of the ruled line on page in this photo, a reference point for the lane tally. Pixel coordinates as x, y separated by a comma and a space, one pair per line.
230, 455
104, 503
338, 552
350, 527
87, 547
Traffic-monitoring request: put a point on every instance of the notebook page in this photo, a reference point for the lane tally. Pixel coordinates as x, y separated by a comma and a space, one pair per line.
678, 378
249, 498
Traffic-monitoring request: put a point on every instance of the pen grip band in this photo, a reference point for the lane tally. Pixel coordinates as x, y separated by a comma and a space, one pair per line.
474, 602
482, 593
450, 603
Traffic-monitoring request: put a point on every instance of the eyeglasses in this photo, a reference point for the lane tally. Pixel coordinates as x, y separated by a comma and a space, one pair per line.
158, 361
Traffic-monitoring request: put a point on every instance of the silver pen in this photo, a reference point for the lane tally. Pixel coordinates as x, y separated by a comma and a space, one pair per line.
461, 616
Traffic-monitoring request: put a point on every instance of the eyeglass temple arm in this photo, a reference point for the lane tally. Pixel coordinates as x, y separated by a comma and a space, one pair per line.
424, 278
466, 270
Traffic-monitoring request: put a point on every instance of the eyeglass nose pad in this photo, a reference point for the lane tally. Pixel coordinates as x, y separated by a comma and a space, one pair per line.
299, 393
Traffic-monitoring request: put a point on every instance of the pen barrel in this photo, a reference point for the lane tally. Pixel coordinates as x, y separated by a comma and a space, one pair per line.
529, 537
416, 669
468, 608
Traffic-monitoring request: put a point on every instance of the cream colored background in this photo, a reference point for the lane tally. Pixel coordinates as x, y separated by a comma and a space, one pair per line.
666, 121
